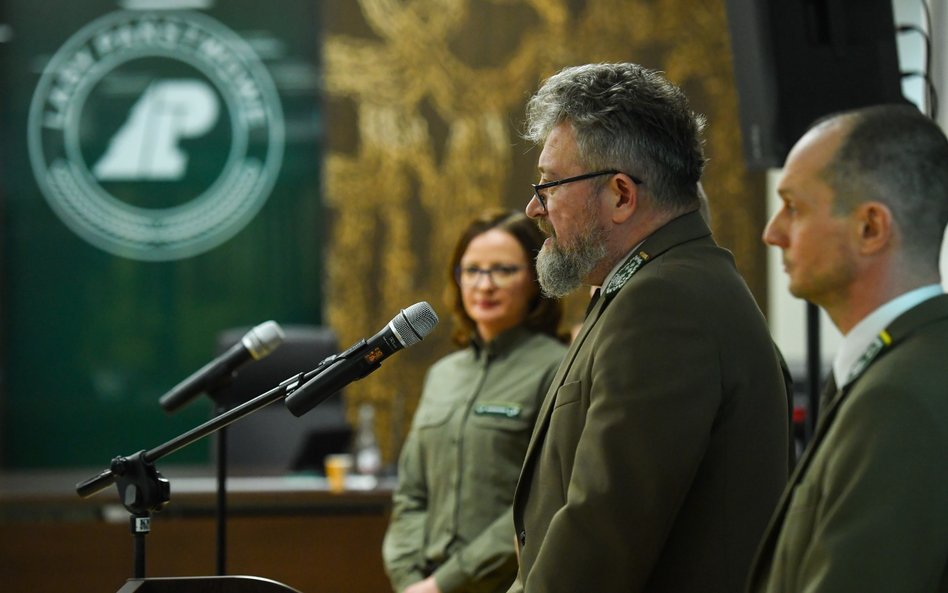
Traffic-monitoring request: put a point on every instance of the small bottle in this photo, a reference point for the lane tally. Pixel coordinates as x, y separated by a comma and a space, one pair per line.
368, 455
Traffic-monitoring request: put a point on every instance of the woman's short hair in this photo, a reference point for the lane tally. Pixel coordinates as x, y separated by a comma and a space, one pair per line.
544, 313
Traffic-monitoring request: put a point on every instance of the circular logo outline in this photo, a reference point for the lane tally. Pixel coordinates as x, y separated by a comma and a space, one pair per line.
156, 234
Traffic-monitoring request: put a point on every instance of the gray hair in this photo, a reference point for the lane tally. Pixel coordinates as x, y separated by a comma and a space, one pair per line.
628, 118
895, 155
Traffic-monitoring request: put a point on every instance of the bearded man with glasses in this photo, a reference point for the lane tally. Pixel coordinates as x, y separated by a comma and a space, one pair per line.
663, 443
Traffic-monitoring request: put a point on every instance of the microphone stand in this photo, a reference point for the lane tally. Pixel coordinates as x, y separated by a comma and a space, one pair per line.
221, 515
217, 394
143, 490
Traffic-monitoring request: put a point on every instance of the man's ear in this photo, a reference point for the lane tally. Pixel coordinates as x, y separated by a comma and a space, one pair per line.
876, 227
625, 197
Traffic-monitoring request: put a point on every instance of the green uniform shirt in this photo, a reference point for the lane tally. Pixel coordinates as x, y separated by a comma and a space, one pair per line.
460, 463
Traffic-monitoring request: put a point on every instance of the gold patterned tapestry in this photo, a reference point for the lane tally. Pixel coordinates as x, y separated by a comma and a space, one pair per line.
424, 101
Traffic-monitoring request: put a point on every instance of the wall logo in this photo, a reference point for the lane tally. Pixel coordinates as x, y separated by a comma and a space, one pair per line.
156, 135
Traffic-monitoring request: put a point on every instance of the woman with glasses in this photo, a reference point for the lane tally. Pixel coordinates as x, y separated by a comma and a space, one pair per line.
451, 528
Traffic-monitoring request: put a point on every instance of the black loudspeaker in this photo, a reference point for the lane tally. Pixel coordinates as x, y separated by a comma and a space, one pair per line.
798, 60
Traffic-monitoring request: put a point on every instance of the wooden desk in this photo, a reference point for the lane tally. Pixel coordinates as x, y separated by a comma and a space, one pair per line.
289, 529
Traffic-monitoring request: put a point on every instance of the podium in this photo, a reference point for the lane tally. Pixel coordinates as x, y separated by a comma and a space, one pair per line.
225, 584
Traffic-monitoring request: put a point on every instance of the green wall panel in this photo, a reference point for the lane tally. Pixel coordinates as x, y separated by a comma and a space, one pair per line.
95, 329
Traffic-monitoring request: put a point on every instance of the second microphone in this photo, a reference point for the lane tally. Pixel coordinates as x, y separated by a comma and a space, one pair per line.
408, 328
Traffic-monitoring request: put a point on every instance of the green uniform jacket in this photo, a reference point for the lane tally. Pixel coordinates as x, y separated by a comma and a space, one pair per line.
867, 507
663, 445
460, 462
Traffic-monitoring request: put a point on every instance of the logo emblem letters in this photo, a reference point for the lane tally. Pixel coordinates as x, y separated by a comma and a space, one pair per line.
155, 135
147, 146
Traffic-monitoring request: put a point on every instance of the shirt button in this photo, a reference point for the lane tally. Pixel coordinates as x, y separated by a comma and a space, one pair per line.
523, 537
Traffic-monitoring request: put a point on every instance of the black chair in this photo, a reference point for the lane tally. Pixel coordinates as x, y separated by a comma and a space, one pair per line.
272, 440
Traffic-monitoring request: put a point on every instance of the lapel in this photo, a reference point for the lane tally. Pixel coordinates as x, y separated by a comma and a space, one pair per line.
831, 399
687, 227
546, 410
826, 397
828, 394
680, 230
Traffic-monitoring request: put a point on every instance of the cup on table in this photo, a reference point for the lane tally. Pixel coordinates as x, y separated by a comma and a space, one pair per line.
338, 466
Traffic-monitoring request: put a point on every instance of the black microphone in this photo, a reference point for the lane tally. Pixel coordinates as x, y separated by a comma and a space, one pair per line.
256, 344
408, 328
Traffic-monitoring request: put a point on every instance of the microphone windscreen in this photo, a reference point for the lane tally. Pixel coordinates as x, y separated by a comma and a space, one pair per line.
415, 323
263, 339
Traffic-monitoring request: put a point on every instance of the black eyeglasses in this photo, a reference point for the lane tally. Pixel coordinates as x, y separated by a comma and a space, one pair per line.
500, 276
538, 187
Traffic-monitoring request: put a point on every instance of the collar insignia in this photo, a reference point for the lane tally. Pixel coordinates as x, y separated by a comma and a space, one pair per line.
628, 269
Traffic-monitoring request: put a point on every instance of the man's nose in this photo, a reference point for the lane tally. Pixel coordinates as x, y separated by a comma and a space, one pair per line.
534, 209
774, 233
